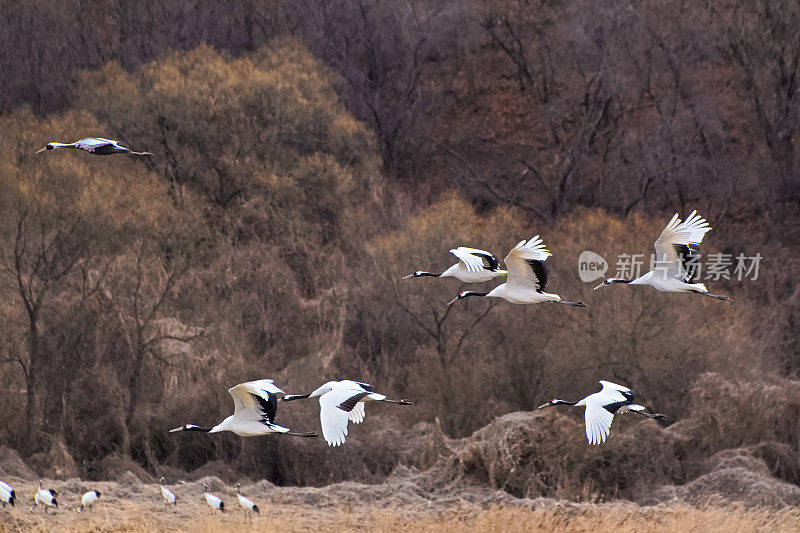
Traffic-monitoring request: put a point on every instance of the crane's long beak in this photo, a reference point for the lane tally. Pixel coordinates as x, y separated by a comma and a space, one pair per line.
544, 405
41, 149
409, 276
176, 429
601, 285
452, 301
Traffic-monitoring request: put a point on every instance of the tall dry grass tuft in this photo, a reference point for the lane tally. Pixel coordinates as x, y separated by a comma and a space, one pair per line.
611, 518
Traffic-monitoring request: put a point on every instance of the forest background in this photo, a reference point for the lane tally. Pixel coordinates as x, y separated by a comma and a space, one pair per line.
308, 154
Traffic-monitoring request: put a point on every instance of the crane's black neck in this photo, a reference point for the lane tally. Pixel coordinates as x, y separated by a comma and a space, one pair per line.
562, 402
467, 294
422, 273
192, 427
290, 397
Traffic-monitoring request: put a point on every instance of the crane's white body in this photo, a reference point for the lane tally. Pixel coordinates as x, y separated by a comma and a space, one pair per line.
667, 284
474, 266
7, 494
214, 502
523, 286
676, 248
45, 498
88, 499
166, 494
522, 295
255, 406
244, 502
597, 418
333, 412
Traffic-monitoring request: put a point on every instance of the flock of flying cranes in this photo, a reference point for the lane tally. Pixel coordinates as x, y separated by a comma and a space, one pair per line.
342, 402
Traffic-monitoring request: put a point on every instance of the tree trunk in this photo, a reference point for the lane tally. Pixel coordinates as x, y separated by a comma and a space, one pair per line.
31, 411
133, 398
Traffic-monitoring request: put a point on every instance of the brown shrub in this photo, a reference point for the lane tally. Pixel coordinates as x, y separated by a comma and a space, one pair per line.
114, 466
727, 413
56, 463
739, 484
11, 464
546, 454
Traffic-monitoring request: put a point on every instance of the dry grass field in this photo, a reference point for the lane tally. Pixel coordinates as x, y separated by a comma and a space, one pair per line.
126, 508
195, 517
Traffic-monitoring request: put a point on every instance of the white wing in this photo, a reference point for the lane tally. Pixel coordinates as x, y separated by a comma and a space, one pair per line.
335, 408
358, 413
680, 239
90, 144
607, 385
245, 398
475, 260
518, 263
597, 419
6, 486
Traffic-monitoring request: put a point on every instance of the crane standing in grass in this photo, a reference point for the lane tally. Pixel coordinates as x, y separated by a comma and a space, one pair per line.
88, 499
166, 495
214, 502
246, 504
45, 498
7, 494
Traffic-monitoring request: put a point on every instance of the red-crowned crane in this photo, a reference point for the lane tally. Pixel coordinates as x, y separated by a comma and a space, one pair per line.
255, 405
94, 145
677, 250
601, 408
474, 266
45, 498
214, 502
340, 402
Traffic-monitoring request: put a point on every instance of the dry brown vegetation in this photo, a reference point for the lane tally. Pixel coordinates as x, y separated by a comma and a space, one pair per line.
307, 155
130, 506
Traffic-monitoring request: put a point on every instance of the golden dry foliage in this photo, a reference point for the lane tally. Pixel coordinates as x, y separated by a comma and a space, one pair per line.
104, 195
265, 133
